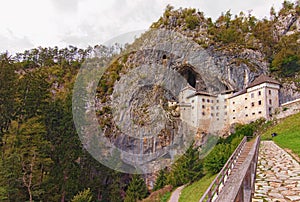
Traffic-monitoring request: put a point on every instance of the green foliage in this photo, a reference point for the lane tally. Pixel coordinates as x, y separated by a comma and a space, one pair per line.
194, 191
165, 197
8, 81
26, 160
192, 22
83, 196
187, 168
217, 158
288, 133
161, 180
136, 190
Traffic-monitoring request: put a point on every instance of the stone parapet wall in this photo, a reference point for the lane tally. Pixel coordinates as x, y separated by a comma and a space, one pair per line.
288, 109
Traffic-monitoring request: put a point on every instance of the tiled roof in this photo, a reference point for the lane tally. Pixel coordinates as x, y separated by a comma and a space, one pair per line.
263, 79
201, 93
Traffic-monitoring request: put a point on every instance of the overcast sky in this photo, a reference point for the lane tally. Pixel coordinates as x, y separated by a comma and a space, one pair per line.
25, 24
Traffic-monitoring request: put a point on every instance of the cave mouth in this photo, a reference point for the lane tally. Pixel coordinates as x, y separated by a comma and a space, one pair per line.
191, 76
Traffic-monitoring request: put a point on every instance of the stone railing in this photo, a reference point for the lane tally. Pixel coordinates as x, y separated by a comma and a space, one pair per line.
216, 186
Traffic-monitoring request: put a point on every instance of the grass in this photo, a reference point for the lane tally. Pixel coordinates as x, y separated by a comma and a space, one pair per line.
288, 133
165, 197
161, 195
195, 191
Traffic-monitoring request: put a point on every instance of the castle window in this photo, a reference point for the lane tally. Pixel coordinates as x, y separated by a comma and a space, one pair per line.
225, 106
217, 114
212, 107
252, 95
212, 114
183, 108
233, 110
212, 101
245, 98
203, 100
233, 118
233, 102
259, 112
203, 106
270, 92
217, 107
253, 113
259, 92
217, 119
252, 104
203, 113
270, 101
225, 113
192, 107
208, 100
193, 101
217, 101
246, 107
259, 102
246, 115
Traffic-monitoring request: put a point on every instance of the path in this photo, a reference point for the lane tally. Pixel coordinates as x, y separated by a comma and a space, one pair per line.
278, 175
175, 194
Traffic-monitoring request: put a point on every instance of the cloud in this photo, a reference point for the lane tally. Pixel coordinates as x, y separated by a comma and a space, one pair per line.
66, 5
12, 42
90, 22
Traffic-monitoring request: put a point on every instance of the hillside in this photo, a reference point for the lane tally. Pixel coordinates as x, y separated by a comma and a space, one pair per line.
288, 134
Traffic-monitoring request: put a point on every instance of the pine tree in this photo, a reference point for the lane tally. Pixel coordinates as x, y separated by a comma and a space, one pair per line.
83, 196
7, 92
161, 180
26, 160
187, 168
137, 189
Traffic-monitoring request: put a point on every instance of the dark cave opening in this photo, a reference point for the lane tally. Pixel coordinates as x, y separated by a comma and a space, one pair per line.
189, 74
191, 78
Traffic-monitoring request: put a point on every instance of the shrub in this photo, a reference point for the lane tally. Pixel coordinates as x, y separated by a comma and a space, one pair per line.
192, 22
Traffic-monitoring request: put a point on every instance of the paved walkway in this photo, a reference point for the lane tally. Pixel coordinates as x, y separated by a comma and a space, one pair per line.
278, 175
175, 194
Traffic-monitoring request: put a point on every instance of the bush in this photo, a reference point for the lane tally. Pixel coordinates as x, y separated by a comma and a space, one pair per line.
192, 22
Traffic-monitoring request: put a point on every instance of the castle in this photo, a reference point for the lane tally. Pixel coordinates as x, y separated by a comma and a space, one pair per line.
215, 113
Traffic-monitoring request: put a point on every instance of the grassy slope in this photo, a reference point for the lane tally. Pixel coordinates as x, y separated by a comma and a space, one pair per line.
194, 191
288, 131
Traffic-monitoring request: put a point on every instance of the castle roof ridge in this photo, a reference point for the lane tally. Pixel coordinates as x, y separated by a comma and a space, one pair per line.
262, 79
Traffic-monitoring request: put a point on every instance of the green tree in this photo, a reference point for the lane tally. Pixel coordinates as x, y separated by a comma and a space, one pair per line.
217, 158
161, 180
8, 87
137, 189
187, 168
83, 196
25, 160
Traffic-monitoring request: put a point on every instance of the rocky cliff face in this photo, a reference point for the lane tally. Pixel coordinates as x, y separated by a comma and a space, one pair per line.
181, 49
